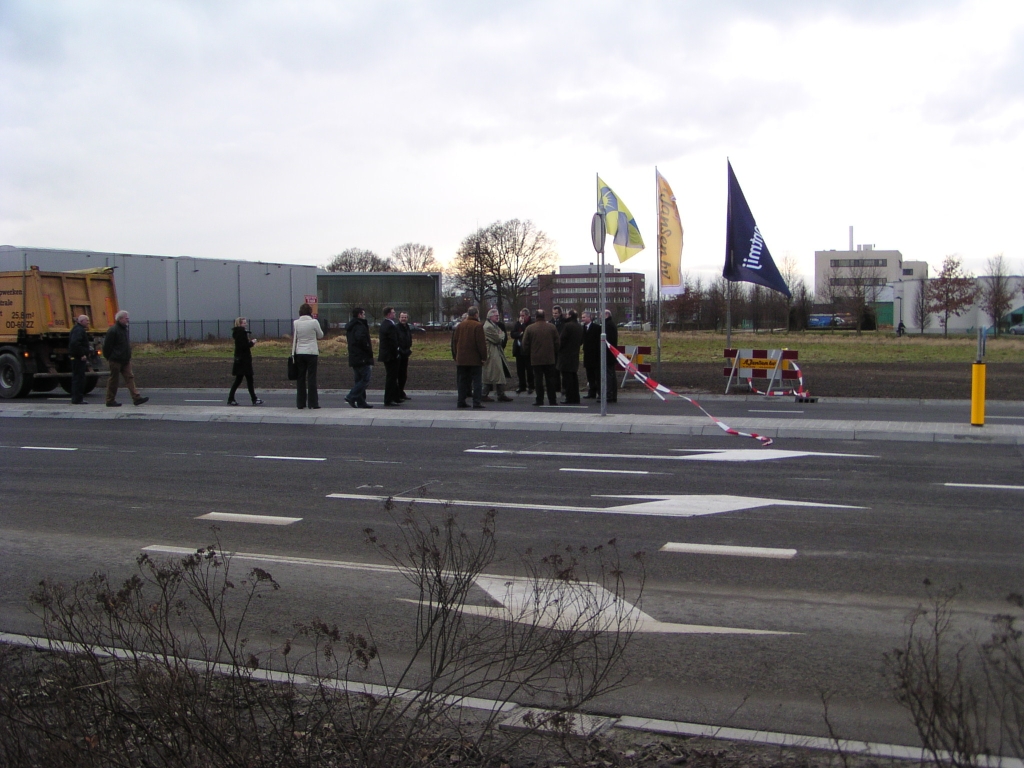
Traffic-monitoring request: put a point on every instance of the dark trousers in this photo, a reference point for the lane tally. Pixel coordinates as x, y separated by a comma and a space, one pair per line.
613, 383
571, 386
392, 394
248, 383
403, 375
524, 372
78, 380
362, 380
546, 376
594, 381
305, 384
470, 377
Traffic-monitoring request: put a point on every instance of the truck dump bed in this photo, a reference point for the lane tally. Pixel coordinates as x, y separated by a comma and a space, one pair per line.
47, 303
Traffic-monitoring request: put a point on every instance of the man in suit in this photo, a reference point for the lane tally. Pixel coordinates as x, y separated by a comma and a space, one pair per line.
404, 353
592, 355
570, 339
388, 354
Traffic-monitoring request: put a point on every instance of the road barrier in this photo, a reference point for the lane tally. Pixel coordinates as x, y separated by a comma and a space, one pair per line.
775, 365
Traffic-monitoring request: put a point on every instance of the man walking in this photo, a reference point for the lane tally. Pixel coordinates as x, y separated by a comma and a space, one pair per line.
388, 354
404, 353
469, 350
78, 350
117, 348
592, 355
569, 342
540, 344
360, 357
523, 370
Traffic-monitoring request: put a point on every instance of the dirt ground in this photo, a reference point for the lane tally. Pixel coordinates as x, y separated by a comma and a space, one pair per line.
941, 381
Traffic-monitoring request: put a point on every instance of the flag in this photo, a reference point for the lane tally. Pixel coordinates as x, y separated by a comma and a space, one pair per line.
747, 259
670, 237
619, 222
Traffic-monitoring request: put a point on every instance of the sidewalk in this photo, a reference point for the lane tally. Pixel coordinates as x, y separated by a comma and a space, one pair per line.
539, 420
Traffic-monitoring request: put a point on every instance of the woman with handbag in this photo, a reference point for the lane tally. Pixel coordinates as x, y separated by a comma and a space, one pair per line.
242, 368
306, 353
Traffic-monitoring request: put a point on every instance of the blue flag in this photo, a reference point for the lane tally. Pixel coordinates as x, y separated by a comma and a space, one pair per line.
747, 259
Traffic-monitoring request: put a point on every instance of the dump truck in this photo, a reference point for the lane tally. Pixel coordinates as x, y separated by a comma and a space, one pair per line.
37, 312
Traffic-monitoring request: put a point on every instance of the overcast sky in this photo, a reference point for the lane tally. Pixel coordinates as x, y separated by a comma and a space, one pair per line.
288, 131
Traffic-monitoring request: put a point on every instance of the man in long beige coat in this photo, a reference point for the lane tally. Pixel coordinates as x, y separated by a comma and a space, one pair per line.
496, 370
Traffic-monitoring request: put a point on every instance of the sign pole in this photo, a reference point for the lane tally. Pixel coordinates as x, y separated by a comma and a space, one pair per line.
597, 236
657, 207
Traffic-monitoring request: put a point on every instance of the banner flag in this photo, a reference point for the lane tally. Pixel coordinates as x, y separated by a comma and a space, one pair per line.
670, 238
747, 259
662, 392
619, 222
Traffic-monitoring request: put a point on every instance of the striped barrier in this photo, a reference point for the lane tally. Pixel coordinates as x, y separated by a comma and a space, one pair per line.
775, 365
636, 356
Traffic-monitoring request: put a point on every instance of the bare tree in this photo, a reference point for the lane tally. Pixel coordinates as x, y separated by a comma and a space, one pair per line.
518, 253
922, 304
359, 260
997, 290
414, 257
952, 292
470, 269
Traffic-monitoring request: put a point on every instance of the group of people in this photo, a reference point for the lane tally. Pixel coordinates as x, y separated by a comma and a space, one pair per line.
117, 349
547, 356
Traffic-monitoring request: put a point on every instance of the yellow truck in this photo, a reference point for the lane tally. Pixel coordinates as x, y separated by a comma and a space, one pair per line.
37, 312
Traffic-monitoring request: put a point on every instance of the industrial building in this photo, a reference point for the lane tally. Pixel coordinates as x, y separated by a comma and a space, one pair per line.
173, 297
418, 293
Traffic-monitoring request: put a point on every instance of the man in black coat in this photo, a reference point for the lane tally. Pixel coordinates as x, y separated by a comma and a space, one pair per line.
360, 357
388, 354
404, 353
612, 336
592, 355
117, 348
570, 339
523, 368
78, 351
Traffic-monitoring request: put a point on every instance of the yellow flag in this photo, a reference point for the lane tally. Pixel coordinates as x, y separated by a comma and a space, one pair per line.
619, 223
670, 236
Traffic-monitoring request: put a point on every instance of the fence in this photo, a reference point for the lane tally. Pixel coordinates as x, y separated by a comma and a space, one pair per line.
198, 330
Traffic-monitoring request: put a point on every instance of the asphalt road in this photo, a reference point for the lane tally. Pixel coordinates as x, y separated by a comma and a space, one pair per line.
634, 400
842, 598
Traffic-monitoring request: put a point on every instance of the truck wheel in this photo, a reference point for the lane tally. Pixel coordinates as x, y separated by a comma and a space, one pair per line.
90, 383
44, 385
13, 380
65, 384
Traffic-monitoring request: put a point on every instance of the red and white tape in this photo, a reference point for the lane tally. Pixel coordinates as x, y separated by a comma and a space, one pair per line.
799, 391
662, 392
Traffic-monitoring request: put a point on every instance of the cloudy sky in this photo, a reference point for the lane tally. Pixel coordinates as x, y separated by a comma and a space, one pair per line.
288, 131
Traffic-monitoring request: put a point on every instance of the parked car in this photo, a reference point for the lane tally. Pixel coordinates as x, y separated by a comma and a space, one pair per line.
1017, 330
417, 328
634, 325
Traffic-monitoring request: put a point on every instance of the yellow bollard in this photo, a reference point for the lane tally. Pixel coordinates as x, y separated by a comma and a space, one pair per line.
978, 395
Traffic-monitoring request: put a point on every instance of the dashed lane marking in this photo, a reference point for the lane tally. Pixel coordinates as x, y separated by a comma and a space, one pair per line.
291, 458
231, 517
717, 549
766, 410
45, 448
606, 471
731, 454
986, 485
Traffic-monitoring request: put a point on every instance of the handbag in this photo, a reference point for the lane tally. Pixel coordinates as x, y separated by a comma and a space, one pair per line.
293, 369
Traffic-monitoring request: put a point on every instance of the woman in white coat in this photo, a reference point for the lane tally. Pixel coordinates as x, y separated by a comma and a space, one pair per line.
305, 332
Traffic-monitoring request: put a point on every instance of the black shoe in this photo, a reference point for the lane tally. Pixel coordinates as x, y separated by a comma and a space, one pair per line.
590, 397
232, 402
403, 398
392, 404
77, 402
461, 405
140, 401
257, 401
364, 405
537, 404
478, 405
504, 399
114, 404
353, 403
314, 407
529, 391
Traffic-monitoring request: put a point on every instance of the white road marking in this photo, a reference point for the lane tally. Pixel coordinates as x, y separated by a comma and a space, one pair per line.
766, 410
522, 600
717, 549
733, 454
290, 458
504, 466
1004, 417
606, 471
660, 505
985, 485
231, 517
45, 448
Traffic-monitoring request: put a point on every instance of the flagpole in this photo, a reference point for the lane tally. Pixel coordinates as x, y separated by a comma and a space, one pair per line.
657, 207
604, 334
728, 258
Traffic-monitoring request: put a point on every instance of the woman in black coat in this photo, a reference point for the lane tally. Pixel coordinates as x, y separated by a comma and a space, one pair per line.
242, 368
